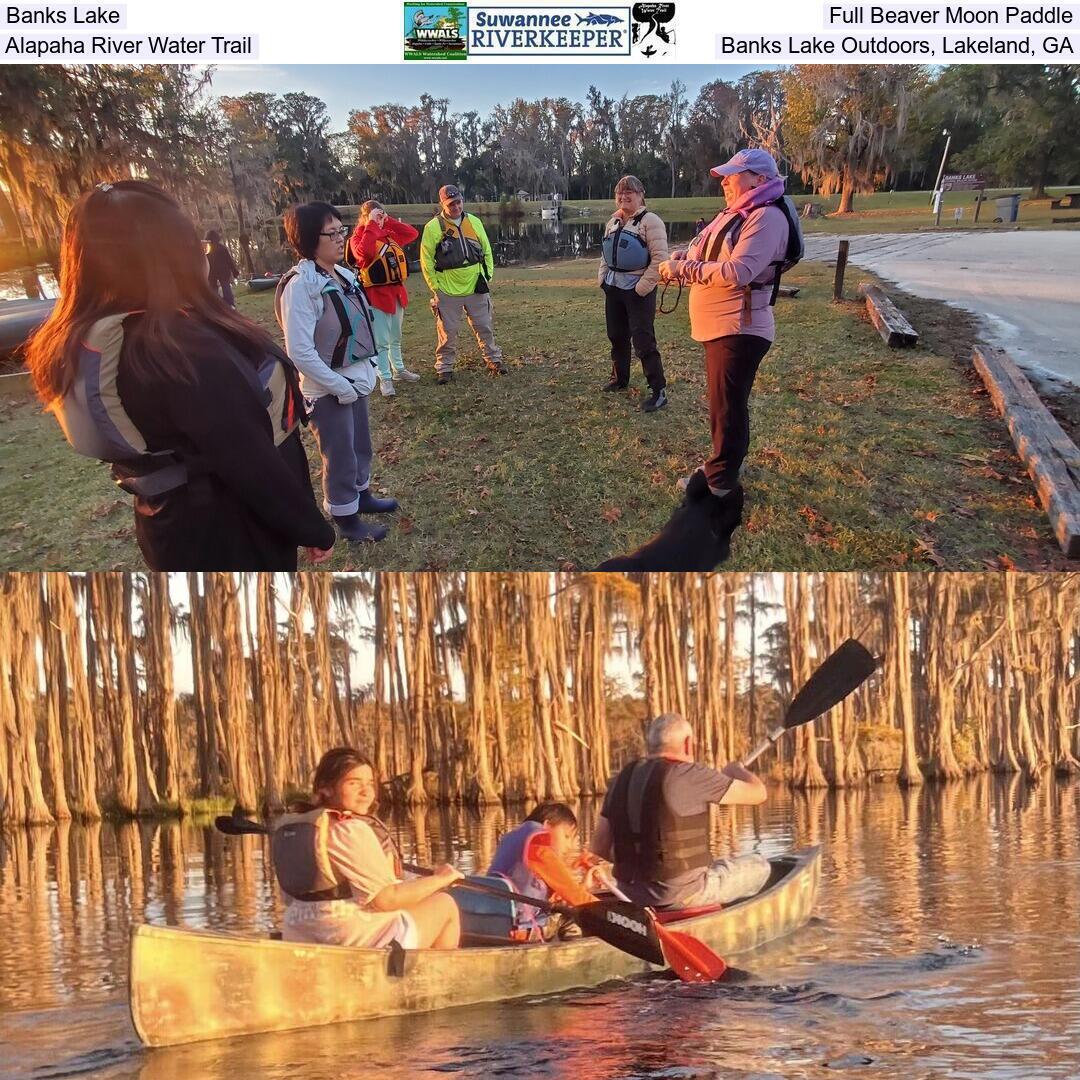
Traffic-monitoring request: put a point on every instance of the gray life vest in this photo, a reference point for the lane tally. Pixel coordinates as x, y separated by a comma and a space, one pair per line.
299, 847
95, 423
345, 332
624, 251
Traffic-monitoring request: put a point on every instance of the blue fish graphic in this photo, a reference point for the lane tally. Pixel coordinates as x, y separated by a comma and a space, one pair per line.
598, 20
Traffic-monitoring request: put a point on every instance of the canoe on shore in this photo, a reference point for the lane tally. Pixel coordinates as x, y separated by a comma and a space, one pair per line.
18, 320
261, 284
190, 985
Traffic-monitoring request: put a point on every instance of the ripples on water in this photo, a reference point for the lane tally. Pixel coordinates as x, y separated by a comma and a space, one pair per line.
947, 943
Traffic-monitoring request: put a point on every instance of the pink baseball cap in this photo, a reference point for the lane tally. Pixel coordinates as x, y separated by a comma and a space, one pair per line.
756, 161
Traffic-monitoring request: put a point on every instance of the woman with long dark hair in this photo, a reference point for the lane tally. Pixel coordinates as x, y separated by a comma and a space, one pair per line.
369, 904
196, 408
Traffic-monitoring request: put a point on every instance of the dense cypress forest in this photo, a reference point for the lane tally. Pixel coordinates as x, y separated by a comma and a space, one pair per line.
135, 695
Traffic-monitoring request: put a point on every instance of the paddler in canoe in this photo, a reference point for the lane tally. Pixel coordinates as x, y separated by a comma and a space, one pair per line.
556, 824
654, 825
341, 870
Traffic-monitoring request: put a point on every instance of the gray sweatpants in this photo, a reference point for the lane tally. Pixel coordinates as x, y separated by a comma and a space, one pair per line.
345, 445
728, 880
479, 310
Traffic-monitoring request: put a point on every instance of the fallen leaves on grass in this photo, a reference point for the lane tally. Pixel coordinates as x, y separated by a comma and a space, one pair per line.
106, 508
927, 550
611, 513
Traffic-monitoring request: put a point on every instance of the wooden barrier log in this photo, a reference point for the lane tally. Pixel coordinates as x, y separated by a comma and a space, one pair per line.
1051, 457
894, 329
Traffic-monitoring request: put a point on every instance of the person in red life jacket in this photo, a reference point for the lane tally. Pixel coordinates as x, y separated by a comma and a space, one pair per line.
377, 246
559, 823
654, 824
195, 407
341, 869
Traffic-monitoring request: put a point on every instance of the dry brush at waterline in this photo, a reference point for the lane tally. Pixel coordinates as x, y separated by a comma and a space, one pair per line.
140, 694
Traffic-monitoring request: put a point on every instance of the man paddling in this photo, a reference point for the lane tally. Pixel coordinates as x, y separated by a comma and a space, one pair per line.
654, 824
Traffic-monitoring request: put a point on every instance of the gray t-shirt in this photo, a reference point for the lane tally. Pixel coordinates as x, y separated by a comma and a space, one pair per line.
688, 788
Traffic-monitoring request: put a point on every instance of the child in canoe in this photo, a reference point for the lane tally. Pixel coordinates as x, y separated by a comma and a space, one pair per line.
556, 826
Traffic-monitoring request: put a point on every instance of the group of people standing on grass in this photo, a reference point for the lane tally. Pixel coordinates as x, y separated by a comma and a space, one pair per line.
131, 358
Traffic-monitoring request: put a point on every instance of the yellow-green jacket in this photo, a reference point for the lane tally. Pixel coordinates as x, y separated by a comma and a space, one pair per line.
459, 282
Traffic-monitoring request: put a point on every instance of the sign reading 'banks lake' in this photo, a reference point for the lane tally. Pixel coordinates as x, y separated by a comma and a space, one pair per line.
963, 182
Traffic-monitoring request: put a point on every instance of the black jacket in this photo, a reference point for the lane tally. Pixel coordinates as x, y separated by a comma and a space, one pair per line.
249, 504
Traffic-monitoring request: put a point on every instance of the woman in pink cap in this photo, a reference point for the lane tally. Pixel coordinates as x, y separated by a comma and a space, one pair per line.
733, 268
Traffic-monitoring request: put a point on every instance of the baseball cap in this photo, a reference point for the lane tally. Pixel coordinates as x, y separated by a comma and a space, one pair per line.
448, 192
757, 161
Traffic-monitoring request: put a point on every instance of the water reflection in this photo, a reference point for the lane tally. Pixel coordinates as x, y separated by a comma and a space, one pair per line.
947, 943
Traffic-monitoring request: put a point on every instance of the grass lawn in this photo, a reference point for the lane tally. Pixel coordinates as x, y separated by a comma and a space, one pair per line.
862, 457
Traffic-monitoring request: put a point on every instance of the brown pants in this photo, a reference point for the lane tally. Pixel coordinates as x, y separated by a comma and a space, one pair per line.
479, 310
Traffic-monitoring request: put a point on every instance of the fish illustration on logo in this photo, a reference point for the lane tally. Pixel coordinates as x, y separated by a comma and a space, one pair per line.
598, 20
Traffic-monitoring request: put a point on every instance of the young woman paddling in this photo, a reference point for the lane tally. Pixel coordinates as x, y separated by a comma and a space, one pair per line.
378, 246
373, 905
328, 335
196, 408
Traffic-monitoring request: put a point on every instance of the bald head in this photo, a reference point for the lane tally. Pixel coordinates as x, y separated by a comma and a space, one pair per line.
667, 734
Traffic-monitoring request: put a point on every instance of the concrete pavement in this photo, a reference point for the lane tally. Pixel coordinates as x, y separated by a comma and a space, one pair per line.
1024, 285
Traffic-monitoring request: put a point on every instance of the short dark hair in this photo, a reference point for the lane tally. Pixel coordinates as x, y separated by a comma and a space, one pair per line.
212, 237
553, 813
304, 222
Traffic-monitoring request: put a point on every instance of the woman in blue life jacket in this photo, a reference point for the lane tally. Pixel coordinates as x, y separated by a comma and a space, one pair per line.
146, 367
635, 244
329, 336
559, 822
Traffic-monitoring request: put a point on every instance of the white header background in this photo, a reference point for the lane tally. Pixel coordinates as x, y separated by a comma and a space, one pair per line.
372, 32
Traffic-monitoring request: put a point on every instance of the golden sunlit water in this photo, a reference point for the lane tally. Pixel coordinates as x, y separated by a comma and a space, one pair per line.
946, 944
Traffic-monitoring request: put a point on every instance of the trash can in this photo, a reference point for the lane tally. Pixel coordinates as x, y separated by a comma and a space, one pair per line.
1008, 207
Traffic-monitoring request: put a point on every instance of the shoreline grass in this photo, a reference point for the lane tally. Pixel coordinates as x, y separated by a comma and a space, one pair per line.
862, 457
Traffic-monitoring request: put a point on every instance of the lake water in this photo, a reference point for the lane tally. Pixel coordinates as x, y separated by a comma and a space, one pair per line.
946, 944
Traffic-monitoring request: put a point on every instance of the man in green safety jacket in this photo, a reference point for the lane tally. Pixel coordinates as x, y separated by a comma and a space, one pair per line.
456, 260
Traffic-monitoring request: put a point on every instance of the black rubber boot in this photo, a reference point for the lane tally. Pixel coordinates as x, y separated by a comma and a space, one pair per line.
369, 504
444, 377
696, 537
657, 401
353, 527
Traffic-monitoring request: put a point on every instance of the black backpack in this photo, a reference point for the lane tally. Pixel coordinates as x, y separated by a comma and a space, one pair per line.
793, 254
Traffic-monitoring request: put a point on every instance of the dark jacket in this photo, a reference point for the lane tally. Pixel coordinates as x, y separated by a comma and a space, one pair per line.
223, 268
249, 504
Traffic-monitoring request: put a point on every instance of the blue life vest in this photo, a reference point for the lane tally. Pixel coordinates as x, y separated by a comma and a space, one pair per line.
627, 252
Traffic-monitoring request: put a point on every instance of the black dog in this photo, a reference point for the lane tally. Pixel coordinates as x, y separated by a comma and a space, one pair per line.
696, 537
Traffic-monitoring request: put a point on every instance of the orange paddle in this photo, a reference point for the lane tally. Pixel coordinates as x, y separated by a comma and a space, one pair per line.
690, 959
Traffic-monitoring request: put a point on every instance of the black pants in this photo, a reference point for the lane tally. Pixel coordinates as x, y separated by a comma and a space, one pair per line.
630, 319
731, 364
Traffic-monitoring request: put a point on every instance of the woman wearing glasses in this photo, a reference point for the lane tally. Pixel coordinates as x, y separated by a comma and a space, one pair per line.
329, 337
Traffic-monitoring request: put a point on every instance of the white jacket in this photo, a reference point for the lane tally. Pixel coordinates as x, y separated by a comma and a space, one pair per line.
302, 306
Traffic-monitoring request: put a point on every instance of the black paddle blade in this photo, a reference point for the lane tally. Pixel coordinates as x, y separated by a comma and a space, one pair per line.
624, 926
839, 674
234, 826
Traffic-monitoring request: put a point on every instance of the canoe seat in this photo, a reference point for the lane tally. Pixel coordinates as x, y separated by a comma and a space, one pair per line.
678, 914
483, 915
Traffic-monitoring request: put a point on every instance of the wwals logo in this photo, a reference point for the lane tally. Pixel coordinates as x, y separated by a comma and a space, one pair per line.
435, 31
